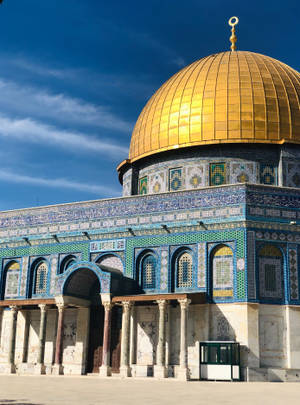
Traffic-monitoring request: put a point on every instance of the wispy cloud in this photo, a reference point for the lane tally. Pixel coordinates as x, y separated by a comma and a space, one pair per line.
8, 176
33, 102
28, 130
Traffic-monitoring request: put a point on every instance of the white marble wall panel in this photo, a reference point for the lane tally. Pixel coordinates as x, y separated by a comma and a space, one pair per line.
146, 335
33, 338
272, 336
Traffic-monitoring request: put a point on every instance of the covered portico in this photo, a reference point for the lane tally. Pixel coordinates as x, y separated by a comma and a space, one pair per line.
130, 345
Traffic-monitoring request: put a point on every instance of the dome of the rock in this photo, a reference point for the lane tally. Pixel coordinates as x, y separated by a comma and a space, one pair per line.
229, 97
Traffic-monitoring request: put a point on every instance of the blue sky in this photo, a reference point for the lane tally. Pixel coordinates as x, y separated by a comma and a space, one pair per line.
75, 74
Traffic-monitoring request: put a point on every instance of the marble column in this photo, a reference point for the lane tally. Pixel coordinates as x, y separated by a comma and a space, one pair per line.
58, 368
160, 367
105, 369
11, 368
133, 336
124, 368
40, 367
183, 373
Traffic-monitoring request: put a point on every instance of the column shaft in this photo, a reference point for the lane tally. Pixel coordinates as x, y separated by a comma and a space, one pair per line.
183, 372
124, 370
59, 335
42, 334
12, 335
106, 337
161, 347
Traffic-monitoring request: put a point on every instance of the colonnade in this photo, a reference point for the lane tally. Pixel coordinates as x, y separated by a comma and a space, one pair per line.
160, 369
127, 340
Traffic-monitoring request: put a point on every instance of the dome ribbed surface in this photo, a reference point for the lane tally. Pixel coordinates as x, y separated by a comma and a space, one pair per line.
230, 97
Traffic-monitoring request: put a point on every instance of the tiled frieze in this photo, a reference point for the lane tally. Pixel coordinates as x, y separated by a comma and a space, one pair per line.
294, 276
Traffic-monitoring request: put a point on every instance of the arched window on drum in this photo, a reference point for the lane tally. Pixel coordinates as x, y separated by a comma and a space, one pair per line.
11, 280
41, 276
270, 263
148, 272
222, 272
184, 270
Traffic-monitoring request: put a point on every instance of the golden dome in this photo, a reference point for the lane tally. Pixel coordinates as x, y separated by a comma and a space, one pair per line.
230, 97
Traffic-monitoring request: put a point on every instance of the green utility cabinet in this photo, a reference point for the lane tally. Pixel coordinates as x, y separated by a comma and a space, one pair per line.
220, 360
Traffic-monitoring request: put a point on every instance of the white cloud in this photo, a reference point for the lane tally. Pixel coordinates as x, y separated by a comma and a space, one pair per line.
28, 130
30, 101
8, 176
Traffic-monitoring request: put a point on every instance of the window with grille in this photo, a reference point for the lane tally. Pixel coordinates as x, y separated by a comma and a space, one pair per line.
270, 272
41, 278
148, 272
185, 271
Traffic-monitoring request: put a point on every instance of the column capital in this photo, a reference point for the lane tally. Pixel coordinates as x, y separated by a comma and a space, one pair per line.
126, 305
162, 304
184, 303
60, 307
43, 307
14, 308
107, 305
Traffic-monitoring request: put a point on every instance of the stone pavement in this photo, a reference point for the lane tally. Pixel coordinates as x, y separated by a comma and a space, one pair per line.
44, 390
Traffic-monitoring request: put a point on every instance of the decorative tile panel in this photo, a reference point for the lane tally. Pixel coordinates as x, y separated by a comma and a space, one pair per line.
217, 174
251, 265
201, 265
294, 278
292, 174
143, 185
25, 262
175, 179
196, 176
164, 265
268, 174
243, 173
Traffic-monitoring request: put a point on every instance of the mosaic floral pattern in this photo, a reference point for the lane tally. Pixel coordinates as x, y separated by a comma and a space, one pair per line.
164, 269
294, 279
143, 185
201, 265
175, 179
268, 174
242, 173
217, 174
